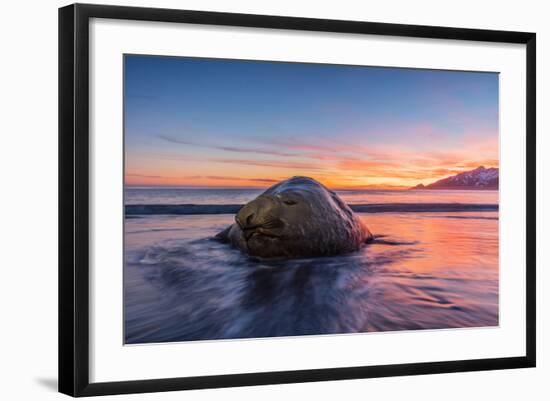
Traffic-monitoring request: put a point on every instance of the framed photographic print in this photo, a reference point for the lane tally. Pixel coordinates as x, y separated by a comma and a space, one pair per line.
249, 199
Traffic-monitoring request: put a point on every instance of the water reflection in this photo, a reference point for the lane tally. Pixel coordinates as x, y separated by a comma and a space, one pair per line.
425, 271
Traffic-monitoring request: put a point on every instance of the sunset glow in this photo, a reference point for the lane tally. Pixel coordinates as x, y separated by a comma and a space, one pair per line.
222, 123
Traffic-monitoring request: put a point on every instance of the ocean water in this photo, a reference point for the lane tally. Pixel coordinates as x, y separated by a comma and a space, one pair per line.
428, 270
201, 196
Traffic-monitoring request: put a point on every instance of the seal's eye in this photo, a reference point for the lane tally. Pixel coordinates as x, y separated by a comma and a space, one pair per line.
289, 202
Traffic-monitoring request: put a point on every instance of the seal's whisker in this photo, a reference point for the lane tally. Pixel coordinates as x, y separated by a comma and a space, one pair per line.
272, 223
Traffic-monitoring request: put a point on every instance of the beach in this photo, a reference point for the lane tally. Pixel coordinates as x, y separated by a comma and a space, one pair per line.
425, 270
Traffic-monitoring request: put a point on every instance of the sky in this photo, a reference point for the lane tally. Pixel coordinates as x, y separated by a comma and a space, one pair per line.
233, 123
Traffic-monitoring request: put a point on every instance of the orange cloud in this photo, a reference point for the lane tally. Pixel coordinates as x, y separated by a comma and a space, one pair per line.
337, 164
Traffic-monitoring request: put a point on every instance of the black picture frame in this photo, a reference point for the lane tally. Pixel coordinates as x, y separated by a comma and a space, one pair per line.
74, 201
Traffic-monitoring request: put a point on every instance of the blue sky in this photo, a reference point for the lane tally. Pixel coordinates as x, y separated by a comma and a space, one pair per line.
212, 122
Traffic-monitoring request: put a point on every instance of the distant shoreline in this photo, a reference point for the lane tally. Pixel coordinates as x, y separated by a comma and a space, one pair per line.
425, 188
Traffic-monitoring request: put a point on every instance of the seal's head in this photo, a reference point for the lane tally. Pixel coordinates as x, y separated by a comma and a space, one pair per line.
298, 217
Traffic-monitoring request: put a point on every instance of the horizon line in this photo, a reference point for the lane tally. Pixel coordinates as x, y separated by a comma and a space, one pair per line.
385, 188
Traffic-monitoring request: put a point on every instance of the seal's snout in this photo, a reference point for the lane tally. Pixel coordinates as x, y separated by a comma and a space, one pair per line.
245, 220
245, 216
259, 217
252, 213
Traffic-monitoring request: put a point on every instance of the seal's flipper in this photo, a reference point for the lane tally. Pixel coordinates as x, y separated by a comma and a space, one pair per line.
378, 239
223, 235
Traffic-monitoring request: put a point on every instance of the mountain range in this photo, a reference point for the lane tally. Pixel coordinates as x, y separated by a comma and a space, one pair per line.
480, 178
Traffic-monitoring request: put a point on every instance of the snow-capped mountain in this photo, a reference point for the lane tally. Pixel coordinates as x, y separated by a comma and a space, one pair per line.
480, 178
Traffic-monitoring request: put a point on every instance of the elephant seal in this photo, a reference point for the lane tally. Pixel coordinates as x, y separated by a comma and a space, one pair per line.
296, 218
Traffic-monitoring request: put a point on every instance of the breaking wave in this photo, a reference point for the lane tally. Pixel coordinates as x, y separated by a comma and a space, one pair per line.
194, 209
